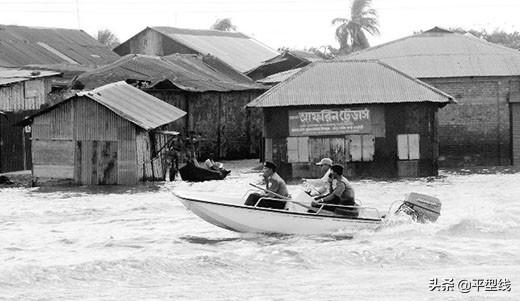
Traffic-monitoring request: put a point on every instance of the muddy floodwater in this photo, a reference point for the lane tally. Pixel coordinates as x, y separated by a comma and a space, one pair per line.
140, 243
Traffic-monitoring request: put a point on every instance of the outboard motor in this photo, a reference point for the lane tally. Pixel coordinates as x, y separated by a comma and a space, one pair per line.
423, 208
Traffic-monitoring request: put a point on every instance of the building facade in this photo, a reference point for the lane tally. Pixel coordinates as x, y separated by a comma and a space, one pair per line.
22, 93
483, 77
213, 94
372, 119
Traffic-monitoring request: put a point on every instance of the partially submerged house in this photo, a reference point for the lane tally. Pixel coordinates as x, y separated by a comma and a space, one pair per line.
22, 93
213, 94
288, 60
367, 116
234, 48
484, 78
109, 135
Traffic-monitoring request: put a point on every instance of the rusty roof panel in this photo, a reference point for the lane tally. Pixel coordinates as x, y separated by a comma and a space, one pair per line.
236, 49
9, 76
20, 45
186, 71
349, 82
279, 77
137, 106
435, 54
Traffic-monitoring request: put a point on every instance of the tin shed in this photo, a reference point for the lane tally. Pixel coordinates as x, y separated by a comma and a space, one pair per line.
108, 135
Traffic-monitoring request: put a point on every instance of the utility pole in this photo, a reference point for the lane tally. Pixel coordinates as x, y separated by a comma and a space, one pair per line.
77, 14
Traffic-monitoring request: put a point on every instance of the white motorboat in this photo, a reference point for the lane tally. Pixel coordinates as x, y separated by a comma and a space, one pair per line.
230, 213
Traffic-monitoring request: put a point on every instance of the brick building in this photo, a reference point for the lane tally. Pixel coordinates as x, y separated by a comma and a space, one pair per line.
483, 77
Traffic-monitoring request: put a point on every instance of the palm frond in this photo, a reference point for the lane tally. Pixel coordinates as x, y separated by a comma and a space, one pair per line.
358, 6
339, 20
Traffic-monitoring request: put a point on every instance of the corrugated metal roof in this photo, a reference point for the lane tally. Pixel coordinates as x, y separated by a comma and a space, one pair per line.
9, 76
236, 49
309, 56
298, 54
139, 107
441, 53
186, 71
279, 77
20, 46
349, 82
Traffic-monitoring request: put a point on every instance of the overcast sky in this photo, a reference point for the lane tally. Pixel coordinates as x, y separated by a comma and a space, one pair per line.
289, 23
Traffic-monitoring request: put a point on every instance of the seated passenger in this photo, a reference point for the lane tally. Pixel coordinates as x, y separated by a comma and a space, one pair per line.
343, 194
274, 183
324, 184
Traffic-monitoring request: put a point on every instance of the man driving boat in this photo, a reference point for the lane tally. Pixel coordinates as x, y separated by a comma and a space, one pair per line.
343, 193
274, 183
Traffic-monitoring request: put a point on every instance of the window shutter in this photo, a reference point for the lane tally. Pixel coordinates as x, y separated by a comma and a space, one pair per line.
268, 149
368, 143
355, 148
402, 147
303, 149
413, 146
292, 149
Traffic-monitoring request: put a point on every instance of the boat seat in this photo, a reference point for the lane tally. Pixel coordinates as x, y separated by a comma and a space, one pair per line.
271, 203
350, 212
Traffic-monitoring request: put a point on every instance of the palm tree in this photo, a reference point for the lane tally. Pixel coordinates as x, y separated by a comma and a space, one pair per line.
224, 25
351, 32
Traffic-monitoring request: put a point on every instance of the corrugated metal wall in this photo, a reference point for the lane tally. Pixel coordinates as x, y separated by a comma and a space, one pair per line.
94, 122
84, 141
53, 144
151, 168
55, 124
22, 96
19, 100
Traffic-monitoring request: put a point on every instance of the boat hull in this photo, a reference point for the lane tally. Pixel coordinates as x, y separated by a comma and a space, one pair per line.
240, 218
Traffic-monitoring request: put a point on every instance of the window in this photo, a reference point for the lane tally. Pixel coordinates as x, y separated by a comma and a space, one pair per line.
297, 149
361, 147
408, 146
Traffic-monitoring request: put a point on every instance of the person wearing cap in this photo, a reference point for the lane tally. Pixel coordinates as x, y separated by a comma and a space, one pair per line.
325, 183
274, 183
343, 193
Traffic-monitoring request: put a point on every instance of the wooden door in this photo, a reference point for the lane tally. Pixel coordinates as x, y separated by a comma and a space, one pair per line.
96, 162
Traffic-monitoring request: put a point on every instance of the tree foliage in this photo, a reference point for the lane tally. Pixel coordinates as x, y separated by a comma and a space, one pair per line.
497, 36
224, 25
351, 31
108, 38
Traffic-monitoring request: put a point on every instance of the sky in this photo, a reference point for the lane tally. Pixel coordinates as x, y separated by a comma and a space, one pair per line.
296, 24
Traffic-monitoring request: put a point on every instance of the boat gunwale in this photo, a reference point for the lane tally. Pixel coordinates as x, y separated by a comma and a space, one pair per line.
368, 220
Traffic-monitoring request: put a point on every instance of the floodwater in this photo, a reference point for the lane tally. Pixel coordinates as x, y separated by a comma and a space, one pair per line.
120, 243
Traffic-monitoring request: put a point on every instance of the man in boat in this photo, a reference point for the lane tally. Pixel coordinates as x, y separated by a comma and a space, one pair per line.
343, 194
324, 184
274, 183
